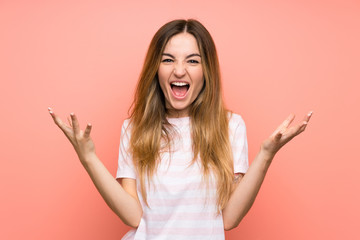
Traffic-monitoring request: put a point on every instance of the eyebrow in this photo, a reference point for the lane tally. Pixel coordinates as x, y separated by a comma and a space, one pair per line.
189, 56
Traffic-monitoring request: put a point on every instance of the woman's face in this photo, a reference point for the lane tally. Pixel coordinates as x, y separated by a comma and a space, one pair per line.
180, 74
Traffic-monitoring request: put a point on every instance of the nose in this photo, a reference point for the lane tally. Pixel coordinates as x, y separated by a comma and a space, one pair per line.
179, 69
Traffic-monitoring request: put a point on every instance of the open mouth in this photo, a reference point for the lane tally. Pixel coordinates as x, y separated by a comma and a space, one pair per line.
179, 89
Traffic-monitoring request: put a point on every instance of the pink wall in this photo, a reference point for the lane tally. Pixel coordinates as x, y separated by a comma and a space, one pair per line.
277, 57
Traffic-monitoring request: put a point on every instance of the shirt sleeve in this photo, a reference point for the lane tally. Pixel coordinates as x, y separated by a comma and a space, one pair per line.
239, 143
125, 163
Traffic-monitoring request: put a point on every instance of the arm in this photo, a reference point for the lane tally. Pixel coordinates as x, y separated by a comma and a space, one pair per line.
246, 190
121, 199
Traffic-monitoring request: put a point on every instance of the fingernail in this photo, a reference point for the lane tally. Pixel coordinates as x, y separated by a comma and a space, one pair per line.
49, 108
310, 113
305, 123
72, 114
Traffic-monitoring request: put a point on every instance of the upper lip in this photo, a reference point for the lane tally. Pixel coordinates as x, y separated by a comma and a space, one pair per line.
180, 81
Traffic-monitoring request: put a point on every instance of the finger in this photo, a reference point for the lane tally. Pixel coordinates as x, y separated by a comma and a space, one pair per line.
69, 121
305, 122
278, 136
87, 130
58, 121
303, 126
282, 128
296, 130
75, 123
289, 120
51, 112
55, 117
308, 116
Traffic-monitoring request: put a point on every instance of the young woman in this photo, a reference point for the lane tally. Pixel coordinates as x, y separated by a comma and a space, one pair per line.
183, 156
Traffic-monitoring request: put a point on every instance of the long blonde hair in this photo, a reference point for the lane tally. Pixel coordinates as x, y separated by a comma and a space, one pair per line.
209, 119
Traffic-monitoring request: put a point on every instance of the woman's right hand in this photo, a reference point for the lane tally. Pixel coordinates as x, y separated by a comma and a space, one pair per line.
81, 140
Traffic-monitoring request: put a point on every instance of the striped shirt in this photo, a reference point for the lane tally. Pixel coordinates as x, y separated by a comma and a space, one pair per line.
181, 204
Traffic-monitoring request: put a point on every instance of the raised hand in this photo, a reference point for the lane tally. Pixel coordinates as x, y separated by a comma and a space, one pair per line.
81, 140
283, 134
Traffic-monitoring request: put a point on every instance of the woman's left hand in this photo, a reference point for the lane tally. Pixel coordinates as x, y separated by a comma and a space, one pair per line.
283, 134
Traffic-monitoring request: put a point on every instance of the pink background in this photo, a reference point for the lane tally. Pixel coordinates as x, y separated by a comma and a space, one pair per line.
277, 57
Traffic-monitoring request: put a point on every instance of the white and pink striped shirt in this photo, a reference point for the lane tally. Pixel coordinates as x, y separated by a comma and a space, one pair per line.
181, 206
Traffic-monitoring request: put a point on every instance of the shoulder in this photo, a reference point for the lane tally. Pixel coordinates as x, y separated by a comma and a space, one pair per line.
126, 128
237, 135
235, 120
126, 124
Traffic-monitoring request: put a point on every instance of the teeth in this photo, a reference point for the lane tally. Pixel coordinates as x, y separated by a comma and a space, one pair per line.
179, 84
